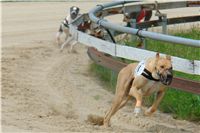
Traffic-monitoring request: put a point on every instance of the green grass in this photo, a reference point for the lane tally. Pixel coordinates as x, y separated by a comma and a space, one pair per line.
181, 104
108, 77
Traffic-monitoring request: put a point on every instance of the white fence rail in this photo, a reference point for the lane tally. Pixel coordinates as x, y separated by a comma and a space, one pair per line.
131, 53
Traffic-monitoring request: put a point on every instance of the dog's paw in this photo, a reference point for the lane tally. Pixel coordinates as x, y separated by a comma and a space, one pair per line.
69, 51
72, 51
61, 50
106, 124
149, 112
137, 112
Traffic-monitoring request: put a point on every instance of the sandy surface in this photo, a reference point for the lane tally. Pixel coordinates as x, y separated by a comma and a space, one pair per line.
48, 91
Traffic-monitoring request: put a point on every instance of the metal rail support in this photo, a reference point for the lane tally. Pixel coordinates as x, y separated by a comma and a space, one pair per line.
164, 24
162, 17
133, 25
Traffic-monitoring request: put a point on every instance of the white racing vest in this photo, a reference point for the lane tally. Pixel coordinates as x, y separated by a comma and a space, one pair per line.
140, 68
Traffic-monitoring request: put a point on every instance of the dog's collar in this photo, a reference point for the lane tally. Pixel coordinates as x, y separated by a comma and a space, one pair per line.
66, 25
147, 74
141, 70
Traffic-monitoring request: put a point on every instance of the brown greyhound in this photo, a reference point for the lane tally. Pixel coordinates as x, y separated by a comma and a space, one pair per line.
138, 80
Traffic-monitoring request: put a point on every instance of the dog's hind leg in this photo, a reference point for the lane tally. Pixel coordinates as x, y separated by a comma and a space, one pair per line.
124, 83
127, 87
123, 103
58, 34
120, 99
114, 108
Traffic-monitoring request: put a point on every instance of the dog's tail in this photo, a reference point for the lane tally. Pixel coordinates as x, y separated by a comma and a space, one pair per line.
95, 120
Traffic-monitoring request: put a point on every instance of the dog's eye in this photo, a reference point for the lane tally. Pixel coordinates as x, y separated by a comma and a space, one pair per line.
162, 66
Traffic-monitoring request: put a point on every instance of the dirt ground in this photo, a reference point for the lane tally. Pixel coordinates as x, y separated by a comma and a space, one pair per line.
45, 90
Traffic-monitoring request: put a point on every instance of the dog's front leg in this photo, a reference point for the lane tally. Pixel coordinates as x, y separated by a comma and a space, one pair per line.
72, 46
69, 39
156, 103
134, 92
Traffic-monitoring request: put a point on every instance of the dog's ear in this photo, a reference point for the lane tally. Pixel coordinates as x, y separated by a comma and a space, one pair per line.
168, 57
71, 9
157, 55
78, 9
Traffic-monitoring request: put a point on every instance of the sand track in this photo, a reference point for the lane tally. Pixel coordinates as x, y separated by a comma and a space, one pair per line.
46, 90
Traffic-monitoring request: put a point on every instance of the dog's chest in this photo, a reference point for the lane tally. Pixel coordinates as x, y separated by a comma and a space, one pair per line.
68, 20
150, 87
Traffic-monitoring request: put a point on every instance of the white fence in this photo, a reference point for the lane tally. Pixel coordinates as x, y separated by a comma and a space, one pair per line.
131, 53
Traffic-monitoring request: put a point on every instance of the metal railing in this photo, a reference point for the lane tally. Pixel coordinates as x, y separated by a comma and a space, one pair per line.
152, 35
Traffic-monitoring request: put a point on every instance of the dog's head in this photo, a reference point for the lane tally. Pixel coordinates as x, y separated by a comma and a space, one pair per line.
163, 68
74, 11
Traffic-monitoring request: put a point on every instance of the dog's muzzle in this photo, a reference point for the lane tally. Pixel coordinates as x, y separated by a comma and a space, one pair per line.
73, 15
166, 79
